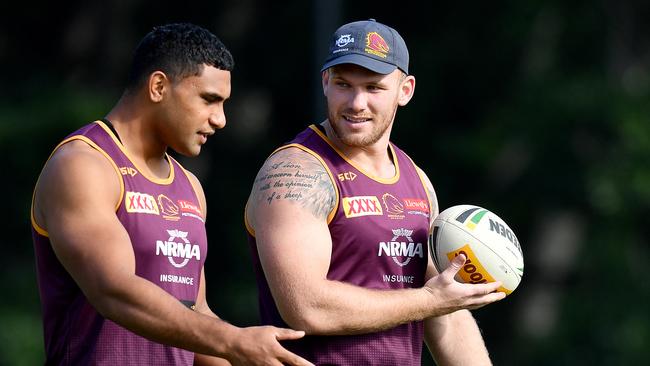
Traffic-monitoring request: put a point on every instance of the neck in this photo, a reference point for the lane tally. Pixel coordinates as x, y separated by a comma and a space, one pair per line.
139, 136
375, 159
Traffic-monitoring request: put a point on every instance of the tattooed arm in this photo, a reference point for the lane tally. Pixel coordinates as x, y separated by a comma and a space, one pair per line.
288, 208
295, 176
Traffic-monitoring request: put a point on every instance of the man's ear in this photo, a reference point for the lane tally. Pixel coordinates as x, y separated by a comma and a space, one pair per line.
406, 90
157, 86
325, 78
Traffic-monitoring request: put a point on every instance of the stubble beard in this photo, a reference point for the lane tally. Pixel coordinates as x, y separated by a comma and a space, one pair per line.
378, 129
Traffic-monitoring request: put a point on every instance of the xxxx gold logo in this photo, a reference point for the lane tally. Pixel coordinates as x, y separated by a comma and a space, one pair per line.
138, 202
361, 206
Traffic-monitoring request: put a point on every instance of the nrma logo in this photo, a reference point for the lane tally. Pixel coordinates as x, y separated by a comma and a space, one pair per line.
179, 254
401, 251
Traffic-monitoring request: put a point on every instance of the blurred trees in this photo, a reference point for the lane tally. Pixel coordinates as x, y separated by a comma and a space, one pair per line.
537, 110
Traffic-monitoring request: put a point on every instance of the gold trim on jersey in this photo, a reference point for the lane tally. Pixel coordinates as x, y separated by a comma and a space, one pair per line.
331, 214
194, 188
35, 225
249, 228
420, 174
391, 180
161, 181
85, 139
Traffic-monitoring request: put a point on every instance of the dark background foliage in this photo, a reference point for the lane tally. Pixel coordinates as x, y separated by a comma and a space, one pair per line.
537, 110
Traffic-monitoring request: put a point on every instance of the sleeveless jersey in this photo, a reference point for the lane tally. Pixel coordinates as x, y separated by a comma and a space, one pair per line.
379, 233
167, 231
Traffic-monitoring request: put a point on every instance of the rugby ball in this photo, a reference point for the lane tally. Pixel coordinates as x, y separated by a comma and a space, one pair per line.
492, 250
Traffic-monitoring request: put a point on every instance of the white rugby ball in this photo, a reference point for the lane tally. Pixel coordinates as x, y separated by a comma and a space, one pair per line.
492, 250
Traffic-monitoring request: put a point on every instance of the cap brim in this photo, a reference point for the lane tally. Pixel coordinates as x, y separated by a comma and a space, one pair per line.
371, 64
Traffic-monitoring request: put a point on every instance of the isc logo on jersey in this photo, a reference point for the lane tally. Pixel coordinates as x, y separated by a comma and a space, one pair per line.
178, 248
361, 206
401, 251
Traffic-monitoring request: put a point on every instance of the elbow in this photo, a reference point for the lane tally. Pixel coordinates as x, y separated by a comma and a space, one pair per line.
109, 301
105, 305
308, 319
320, 321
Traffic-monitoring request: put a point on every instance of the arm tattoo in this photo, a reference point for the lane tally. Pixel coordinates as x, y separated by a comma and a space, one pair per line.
294, 175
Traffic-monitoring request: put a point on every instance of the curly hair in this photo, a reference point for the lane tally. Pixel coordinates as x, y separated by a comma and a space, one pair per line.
179, 50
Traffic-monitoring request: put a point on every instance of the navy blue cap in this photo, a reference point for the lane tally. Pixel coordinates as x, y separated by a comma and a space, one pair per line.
369, 44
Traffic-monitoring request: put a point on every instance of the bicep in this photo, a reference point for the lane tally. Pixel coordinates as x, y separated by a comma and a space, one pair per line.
292, 197
294, 248
76, 195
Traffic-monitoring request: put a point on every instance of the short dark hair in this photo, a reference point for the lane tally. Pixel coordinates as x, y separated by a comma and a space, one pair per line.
179, 50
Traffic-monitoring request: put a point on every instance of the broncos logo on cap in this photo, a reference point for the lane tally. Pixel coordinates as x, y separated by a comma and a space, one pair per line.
376, 45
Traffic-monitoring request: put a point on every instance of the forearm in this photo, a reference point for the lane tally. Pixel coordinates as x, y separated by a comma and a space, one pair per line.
149, 311
455, 339
204, 360
339, 308
200, 359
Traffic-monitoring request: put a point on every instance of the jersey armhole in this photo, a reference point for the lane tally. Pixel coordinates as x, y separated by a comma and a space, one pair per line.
249, 228
193, 185
420, 173
39, 229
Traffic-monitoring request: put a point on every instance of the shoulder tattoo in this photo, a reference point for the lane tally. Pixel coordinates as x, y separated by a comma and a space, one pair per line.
294, 175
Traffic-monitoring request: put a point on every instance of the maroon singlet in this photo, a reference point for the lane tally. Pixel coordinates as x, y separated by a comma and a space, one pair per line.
167, 230
379, 233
